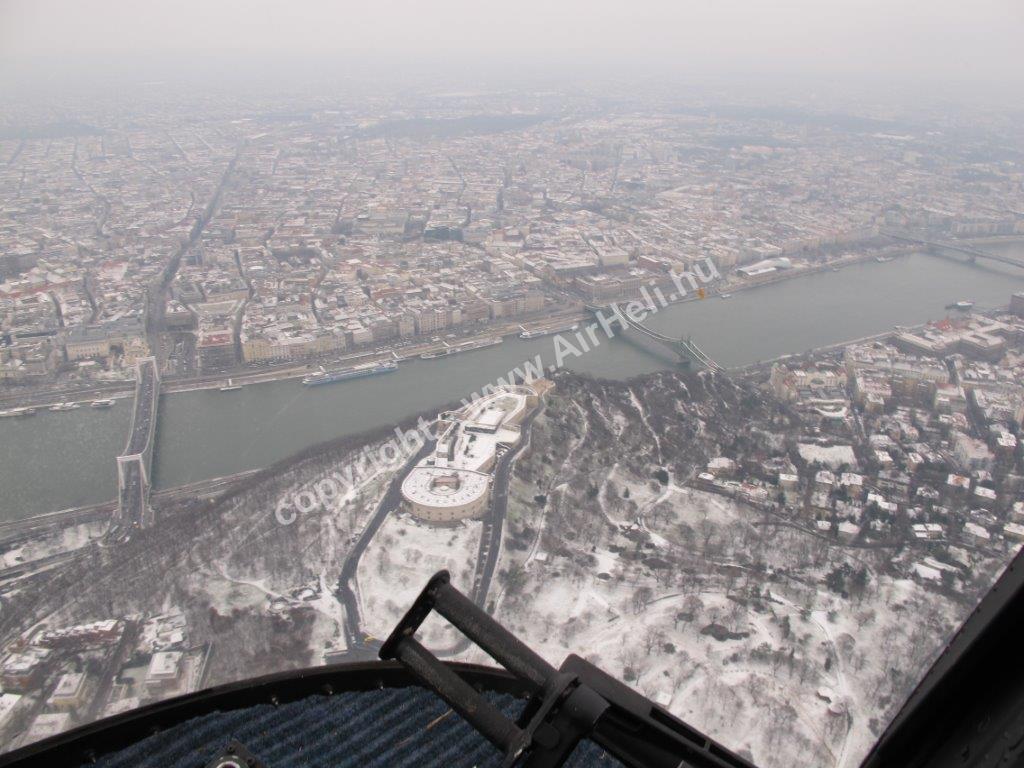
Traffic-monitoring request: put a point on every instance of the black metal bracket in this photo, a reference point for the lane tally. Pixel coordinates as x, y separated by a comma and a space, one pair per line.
566, 705
559, 713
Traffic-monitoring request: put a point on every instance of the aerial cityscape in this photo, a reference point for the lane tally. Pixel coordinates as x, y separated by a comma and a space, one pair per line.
722, 391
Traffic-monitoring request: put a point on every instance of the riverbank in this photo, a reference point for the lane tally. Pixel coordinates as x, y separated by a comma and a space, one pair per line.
993, 240
797, 357
245, 376
63, 460
14, 530
47, 397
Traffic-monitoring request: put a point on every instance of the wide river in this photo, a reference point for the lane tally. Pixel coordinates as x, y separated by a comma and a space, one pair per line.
59, 460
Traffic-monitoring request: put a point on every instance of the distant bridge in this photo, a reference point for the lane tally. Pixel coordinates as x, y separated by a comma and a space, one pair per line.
685, 349
135, 464
973, 253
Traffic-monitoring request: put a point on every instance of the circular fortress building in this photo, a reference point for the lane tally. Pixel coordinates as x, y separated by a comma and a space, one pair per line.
454, 481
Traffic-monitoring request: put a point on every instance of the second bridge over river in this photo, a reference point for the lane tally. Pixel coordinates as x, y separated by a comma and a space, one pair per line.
135, 464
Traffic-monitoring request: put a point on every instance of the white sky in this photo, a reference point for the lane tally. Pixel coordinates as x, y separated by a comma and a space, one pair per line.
964, 41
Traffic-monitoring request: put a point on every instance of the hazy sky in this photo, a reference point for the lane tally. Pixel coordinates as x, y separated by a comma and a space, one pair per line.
961, 42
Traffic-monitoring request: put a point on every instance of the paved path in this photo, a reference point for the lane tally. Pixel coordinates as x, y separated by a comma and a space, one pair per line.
345, 592
487, 554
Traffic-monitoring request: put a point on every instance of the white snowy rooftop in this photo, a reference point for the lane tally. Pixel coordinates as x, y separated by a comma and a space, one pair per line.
164, 664
456, 472
444, 487
477, 432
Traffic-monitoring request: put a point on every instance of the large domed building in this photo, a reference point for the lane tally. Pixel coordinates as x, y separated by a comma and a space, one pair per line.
453, 482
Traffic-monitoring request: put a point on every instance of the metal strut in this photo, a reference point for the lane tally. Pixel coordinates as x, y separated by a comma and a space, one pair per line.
565, 705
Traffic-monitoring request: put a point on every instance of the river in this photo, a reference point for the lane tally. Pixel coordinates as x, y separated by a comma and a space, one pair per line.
59, 460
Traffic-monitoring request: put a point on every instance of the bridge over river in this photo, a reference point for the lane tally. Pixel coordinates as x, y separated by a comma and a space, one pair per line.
935, 246
135, 464
685, 349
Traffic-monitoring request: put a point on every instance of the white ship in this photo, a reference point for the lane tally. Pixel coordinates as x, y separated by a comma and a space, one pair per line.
536, 333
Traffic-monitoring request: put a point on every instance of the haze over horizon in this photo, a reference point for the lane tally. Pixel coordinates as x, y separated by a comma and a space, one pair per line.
945, 47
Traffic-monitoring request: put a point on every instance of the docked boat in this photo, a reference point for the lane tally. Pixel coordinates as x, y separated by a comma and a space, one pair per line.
64, 407
963, 306
230, 386
536, 333
883, 259
345, 374
439, 353
22, 412
470, 346
725, 295
102, 404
